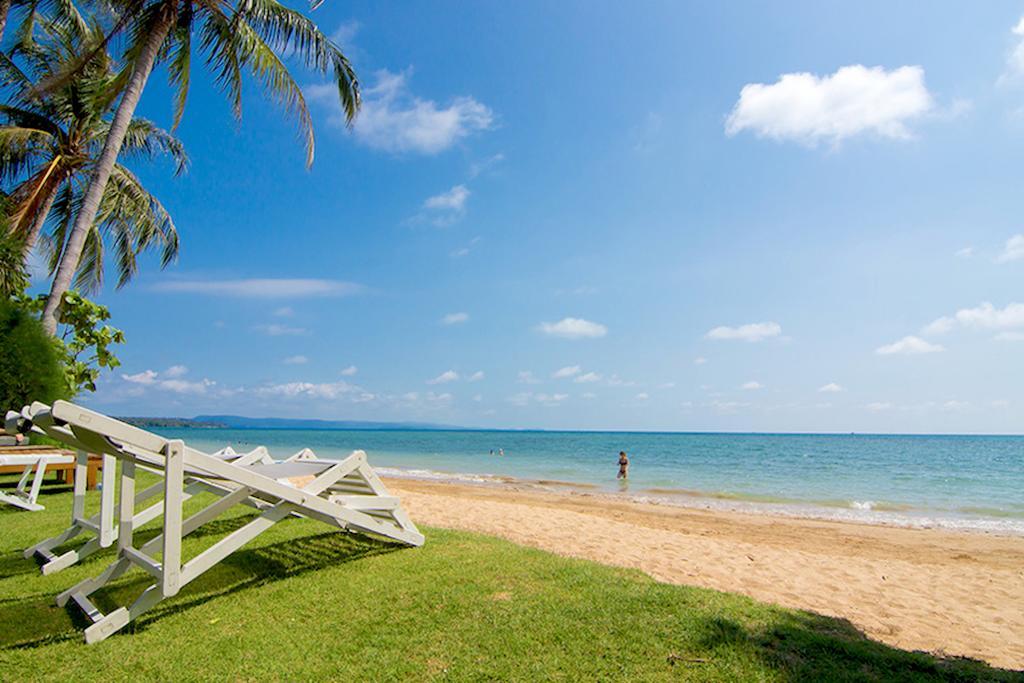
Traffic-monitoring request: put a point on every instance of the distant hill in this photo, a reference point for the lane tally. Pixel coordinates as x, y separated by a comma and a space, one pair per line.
239, 422
196, 423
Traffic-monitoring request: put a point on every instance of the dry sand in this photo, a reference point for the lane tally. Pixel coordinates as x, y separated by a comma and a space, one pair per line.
940, 591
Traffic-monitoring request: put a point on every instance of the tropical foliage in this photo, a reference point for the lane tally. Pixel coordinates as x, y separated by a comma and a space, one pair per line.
68, 132
234, 38
31, 366
49, 146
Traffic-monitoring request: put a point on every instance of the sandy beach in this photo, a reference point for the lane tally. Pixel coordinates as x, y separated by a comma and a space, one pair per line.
955, 593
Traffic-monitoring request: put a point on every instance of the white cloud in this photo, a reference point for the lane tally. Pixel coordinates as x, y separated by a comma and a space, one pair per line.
526, 377
700, 360
908, 345
1013, 251
349, 371
587, 378
444, 377
394, 120
146, 377
879, 406
262, 288
476, 376
548, 400
465, 251
751, 332
574, 328
345, 33
588, 395
852, 101
452, 200
984, 316
478, 167
284, 312
455, 318
1015, 60
642, 396
327, 390
567, 371
752, 386
966, 252
296, 360
831, 388
275, 330
170, 380
175, 371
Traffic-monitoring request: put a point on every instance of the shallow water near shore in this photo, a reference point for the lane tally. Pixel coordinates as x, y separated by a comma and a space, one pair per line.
964, 482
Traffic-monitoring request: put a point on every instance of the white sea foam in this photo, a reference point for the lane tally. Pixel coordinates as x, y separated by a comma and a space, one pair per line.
862, 512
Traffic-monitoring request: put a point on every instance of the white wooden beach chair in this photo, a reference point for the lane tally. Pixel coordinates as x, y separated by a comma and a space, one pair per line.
102, 526
346, 494
26, 494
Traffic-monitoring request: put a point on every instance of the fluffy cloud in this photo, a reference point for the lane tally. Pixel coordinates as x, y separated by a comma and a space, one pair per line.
263, 288
908, 345
1015, 60
452, 200
349, 371
642, 396
444, 378
966, 252
275, 330
984, 316
454, 318
1014, 249
394, 120
548, 400
296, 360
327, 390
831, 388
852, 101
526, 377
701, 360
587, 378
476, 376
752, 332
567, 371
169, 380
752, 386
574, 328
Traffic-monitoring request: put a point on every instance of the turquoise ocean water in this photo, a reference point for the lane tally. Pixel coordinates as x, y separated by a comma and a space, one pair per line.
971, 482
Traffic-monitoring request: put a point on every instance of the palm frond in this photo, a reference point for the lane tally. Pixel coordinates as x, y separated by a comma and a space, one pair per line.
146, 140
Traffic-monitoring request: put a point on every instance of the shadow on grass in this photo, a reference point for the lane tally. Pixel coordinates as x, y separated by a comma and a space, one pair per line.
36, 620
804, 646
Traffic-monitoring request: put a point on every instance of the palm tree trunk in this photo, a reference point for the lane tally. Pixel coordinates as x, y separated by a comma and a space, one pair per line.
49, 196
5, 7
104, 167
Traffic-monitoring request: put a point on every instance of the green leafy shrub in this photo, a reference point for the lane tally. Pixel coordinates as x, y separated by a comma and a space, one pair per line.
31, 367
83, 339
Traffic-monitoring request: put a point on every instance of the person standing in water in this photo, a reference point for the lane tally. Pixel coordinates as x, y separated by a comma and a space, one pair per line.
623, 465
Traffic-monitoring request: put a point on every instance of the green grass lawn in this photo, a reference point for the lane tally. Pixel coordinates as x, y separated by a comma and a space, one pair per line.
305, 603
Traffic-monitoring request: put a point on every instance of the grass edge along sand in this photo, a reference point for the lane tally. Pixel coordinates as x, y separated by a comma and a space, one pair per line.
305, 603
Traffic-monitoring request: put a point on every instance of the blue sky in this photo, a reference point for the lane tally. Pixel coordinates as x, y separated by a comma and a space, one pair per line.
753, 216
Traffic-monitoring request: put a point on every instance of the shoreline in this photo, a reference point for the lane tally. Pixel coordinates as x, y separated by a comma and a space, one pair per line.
870, 513
946, 591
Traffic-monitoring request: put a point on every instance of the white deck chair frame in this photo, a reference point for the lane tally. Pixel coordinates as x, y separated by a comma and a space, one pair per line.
346, 494
26, 493
102, 525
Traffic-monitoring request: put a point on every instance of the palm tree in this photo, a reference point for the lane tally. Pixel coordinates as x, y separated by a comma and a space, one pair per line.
49, 146
236, 36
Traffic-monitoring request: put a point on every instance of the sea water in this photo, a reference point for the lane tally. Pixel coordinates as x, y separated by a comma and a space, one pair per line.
968, 482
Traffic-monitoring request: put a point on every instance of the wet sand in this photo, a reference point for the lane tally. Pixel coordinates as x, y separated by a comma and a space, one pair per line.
956, 593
